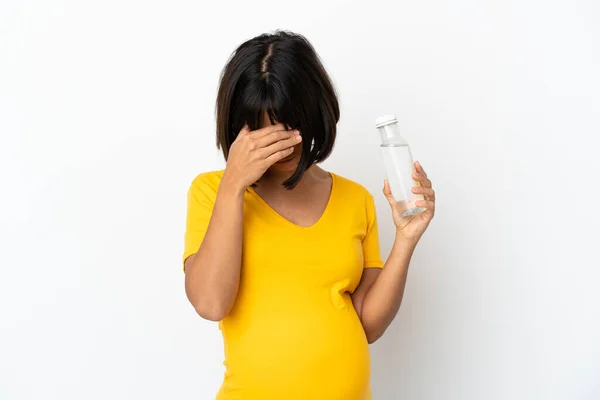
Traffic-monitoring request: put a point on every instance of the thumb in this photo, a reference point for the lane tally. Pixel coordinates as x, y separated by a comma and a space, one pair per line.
387, 192
245, 130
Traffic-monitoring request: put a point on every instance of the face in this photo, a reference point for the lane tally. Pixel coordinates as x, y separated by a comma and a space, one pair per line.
290, 163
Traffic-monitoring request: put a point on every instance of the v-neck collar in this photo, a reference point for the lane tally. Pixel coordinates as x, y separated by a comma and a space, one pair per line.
287, 221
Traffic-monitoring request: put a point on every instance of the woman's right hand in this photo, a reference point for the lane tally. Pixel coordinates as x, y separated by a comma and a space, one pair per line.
253, 152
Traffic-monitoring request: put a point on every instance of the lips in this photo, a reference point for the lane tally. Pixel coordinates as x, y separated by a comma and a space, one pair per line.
288, 158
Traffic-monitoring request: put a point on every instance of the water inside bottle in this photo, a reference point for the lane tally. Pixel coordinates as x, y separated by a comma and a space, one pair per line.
399, 166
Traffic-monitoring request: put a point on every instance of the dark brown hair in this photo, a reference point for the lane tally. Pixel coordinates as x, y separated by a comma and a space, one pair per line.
279, 73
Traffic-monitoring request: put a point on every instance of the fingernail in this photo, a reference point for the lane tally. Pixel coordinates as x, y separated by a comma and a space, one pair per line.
296, 132
298, 138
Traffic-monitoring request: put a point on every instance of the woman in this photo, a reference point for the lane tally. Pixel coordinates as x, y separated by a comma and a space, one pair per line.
283, 253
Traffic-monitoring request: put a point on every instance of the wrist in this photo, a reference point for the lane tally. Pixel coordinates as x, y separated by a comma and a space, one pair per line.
405, 241
231, 186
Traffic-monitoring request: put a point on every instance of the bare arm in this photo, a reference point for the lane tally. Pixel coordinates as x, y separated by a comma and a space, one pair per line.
213, 272
379, 294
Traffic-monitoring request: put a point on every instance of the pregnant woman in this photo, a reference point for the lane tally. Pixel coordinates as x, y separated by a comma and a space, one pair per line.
284, 254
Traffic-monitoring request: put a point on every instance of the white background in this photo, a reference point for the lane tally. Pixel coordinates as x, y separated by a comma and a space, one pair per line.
106, 115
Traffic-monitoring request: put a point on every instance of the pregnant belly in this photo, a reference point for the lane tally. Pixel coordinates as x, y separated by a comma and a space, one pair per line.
319, 353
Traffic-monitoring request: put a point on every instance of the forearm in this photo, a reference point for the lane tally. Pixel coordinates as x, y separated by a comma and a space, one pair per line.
383, 299
213, 273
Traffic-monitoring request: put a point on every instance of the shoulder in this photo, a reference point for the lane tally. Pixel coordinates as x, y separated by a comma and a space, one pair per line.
351, 188
206, 183
356, 198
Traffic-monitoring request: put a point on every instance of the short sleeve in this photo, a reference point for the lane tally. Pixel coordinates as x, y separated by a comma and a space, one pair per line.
201, 198
370, 244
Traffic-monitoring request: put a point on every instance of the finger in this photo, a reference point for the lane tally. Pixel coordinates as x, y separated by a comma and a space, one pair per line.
420, 169
290, 142
267, 130
428, 192
421, 179
427, 204
278, 156
276, 136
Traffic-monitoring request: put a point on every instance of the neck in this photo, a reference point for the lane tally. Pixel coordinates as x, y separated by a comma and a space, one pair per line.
275, 179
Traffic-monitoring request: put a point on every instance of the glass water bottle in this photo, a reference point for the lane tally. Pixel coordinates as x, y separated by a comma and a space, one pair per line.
399, 165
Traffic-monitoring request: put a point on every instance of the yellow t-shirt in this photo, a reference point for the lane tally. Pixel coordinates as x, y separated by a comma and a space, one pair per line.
293, 332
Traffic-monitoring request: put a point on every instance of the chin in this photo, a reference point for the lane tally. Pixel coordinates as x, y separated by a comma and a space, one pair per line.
285, 166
